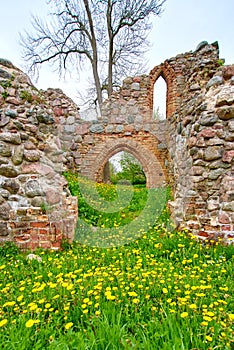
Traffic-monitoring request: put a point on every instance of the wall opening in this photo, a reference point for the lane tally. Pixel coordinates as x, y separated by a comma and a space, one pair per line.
124, 166
160, 99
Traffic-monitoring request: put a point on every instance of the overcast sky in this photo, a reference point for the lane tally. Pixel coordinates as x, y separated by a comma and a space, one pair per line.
182, 26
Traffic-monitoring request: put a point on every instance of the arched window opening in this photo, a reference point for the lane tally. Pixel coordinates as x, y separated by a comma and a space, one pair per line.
124, 167
160, 99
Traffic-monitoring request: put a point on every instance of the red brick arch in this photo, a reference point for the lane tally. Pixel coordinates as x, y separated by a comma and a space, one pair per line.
168, 74
97, 157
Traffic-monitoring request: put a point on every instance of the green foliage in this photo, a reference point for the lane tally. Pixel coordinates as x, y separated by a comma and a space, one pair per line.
26, 95
6, 84
45, 208
9, 249
221, 62
87, 211
131, 170
5, 94
163, 291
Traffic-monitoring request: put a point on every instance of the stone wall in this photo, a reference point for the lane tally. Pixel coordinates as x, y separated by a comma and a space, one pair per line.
36, 208
202, 152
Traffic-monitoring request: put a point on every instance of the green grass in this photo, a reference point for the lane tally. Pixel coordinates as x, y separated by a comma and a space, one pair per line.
162, 291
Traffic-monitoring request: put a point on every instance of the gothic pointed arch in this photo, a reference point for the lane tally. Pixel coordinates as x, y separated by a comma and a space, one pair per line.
170, 76
98, 157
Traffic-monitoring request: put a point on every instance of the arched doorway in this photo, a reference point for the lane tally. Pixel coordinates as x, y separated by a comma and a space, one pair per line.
97, 158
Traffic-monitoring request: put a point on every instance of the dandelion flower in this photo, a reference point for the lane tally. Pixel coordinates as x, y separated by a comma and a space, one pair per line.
68, 325
209, 338
184, 314
3, 323
29, 323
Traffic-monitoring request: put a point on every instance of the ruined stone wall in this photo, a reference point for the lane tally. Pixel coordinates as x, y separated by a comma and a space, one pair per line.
202, 152
42, 134
36, 208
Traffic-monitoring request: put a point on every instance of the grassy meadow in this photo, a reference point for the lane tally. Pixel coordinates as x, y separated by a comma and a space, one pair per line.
163, 290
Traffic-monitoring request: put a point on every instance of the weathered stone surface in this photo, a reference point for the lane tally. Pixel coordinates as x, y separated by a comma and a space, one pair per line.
214, 174
228, 72
209, 120
6, 63
229, 206
4, 120
214, 82
13, 100
4, 229
213, 204
11, 185
44, 118
5, 149
228, 156
31, 155
225, 113
119, 128
52, 196
96, 128
225, 97
212, 153
33, 188
13, 138
4, 74
5, 211
224, 218
135, 86
201, 45
17, 157
8, 171
11, 113
207, 133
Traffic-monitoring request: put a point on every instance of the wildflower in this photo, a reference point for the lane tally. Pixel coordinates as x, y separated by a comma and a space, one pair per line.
20, 298
68, 325
209, 313
231, 317
29, 323
207, 318
209, 338
184, 314
135, 301
3, 322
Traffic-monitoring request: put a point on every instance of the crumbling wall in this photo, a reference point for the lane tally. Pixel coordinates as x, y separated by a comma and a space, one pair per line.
36, 208
42, 134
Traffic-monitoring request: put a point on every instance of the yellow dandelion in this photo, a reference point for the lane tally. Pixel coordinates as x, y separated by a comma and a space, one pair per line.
208, 338
68, 325
3, 322
29, 323
210, 313
135, 301
184, 314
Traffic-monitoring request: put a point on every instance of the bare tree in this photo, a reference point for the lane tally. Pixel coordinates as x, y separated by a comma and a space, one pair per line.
110, 34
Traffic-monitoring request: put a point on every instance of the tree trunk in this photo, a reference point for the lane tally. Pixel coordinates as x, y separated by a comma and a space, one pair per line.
95, 54
111, 48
